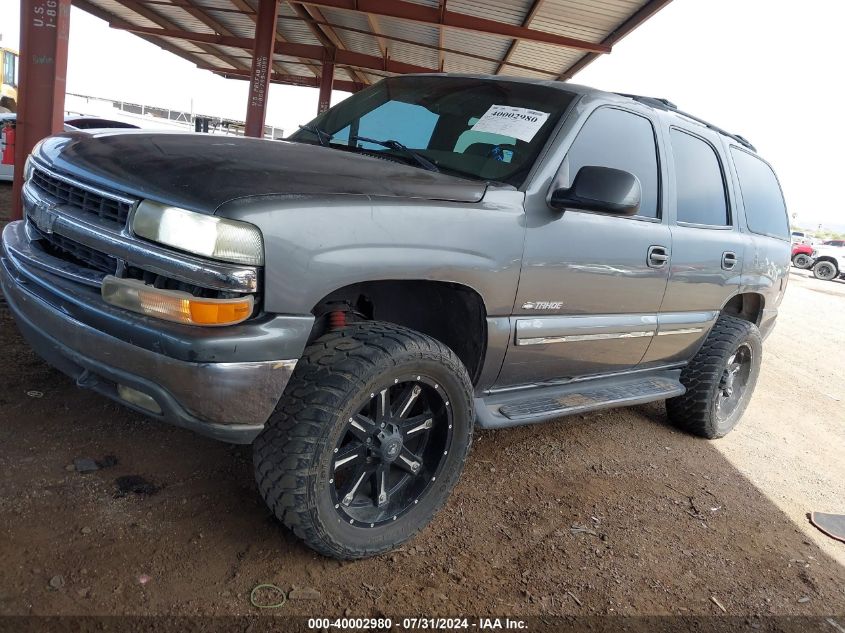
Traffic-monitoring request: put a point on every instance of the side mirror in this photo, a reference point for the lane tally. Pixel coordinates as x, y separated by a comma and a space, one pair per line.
600, 189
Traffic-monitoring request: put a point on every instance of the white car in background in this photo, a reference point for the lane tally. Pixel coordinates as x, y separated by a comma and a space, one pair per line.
800, 237
72, 124
829, 261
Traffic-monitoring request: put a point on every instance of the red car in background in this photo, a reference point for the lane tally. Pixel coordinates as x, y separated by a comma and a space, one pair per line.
802, 255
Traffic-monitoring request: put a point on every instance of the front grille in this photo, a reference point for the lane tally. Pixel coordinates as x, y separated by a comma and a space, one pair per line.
67, 249
108, 209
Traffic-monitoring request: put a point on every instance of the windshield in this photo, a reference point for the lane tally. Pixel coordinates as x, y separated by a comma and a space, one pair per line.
476, 128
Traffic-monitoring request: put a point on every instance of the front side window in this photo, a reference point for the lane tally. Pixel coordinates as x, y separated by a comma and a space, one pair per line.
765, 210
472, 128
618, 139
699, 184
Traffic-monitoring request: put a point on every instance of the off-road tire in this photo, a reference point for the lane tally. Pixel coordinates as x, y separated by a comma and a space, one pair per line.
821, 268
801, 260
292, 455
695, 411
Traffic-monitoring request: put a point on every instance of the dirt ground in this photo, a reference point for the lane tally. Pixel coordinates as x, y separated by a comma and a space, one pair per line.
610, 513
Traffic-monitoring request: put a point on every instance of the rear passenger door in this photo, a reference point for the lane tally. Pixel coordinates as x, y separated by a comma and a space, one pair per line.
708, 247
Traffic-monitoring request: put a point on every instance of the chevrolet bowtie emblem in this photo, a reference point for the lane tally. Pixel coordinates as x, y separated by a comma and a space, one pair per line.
44, 218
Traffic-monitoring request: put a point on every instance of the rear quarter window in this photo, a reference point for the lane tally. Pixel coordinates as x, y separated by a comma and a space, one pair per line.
765, 209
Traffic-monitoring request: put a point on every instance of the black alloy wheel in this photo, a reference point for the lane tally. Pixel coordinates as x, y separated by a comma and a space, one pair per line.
719, 380
391, 451
733, 385
368, 440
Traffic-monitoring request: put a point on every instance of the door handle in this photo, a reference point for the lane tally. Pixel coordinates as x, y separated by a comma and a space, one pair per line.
657, 256
729, 260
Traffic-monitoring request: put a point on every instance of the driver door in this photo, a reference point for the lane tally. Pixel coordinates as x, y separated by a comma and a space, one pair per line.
592, 284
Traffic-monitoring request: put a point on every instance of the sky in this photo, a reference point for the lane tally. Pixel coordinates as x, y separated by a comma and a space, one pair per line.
767, 69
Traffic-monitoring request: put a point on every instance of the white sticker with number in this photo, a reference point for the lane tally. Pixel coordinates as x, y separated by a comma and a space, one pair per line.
520, 123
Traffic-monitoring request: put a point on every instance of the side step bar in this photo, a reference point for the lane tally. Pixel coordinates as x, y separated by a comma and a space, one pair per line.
542, 403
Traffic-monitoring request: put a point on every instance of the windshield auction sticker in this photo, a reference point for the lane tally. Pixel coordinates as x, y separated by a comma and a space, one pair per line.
520, 123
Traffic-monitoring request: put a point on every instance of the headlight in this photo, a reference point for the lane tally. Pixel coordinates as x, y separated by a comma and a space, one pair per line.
206, 235
28, 168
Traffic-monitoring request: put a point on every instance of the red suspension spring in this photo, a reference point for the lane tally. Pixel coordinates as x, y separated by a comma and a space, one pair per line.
337, 319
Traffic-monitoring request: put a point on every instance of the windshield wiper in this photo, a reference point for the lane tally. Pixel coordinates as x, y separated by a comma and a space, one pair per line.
396, 145
322, 136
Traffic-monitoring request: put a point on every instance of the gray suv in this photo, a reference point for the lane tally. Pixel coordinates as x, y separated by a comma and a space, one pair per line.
434, 253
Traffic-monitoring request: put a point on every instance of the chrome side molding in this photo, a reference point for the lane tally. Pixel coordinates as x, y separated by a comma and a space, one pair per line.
604, 336
545, 330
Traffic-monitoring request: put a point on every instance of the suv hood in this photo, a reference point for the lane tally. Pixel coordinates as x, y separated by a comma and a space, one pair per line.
201, 172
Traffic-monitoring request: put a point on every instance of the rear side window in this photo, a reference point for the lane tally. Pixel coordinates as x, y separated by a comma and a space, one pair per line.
699, 184
765, 211
622, 140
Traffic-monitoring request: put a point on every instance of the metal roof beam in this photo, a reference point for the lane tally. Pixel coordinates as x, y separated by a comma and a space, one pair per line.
640, 16
441, 60
326, 35
435, 47
155, 41
163, 22
435, 15
200, 14
375, 28
526, 23
262, 62
292, 49
289, 80
183, 4
244, 6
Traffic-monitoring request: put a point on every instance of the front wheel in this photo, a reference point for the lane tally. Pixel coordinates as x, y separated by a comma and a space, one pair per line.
368, 440
825, 270
719, 379
802, 260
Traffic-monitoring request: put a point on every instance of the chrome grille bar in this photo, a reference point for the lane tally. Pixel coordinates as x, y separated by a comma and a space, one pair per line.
52, 215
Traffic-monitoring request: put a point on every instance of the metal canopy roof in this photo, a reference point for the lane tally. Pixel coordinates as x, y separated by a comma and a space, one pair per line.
369, 39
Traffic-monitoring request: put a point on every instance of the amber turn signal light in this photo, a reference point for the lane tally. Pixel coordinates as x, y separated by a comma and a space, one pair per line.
174, 305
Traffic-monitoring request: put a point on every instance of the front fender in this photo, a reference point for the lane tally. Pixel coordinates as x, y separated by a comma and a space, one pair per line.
314, 246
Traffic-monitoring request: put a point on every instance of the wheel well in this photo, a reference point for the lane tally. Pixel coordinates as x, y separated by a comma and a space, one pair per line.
827, 258
747, 306
452, 313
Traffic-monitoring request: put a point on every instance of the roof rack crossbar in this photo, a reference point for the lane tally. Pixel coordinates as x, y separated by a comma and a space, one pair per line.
665, 104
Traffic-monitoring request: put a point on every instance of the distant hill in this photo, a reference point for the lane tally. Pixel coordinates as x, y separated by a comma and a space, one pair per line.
835, 227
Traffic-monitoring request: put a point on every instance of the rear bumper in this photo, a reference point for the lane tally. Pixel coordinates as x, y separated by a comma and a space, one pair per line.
228, 399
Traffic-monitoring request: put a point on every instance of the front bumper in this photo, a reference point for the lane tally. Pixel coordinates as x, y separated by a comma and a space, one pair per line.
200, 379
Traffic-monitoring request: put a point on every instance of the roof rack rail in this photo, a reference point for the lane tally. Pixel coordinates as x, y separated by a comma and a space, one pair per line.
654, 102
665, 104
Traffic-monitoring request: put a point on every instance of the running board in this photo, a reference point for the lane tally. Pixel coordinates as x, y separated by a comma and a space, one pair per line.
542, 403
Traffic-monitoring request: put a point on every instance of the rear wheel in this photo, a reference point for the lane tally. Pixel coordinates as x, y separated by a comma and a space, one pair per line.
825, 270
802, 260
368, 440
720, 379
